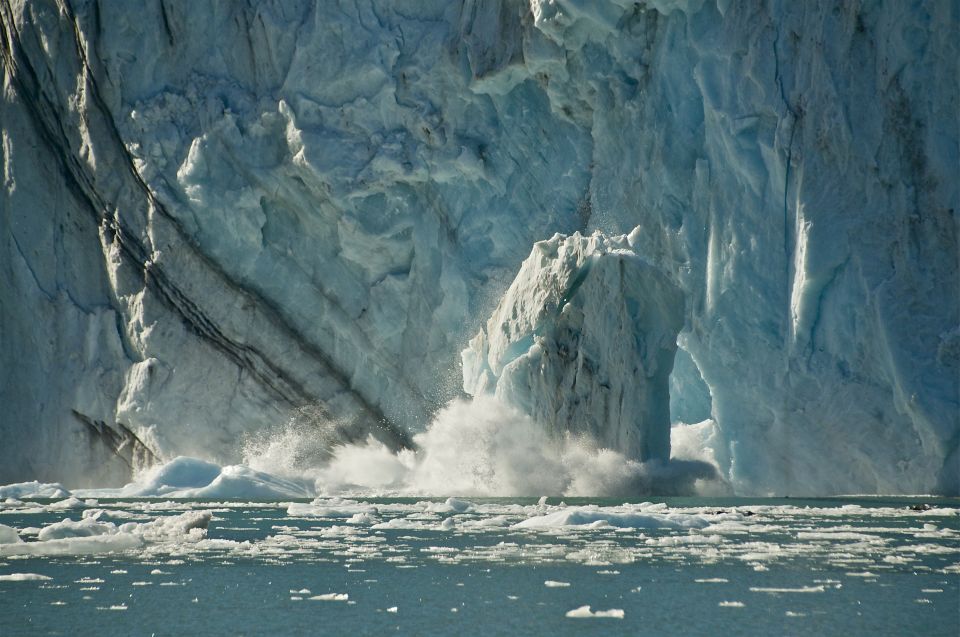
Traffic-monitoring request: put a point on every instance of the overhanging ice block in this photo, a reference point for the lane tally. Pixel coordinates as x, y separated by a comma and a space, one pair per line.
583, 341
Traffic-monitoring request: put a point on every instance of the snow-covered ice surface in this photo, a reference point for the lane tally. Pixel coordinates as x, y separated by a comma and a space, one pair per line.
679, 566
213, 213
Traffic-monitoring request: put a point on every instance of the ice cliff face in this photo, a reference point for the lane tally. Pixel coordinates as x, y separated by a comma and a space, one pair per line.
213, 213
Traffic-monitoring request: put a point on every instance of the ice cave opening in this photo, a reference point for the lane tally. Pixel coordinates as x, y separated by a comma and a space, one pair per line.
690, 398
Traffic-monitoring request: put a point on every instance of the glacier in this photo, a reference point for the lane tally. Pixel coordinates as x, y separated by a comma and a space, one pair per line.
214, 215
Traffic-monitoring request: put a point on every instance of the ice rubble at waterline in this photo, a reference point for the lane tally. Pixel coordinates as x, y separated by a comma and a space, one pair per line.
474, 448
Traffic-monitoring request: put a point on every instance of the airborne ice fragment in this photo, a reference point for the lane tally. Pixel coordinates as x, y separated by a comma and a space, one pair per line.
584, 341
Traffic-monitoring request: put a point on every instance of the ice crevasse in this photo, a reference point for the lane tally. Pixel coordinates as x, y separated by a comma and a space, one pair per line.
213, 215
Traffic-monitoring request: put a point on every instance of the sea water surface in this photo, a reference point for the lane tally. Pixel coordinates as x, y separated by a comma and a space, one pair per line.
374, 566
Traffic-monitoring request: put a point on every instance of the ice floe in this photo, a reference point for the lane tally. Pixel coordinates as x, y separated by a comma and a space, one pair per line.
584, 612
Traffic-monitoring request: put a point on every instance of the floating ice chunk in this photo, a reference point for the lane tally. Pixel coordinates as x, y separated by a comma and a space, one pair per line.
81, 528
74, 545
68, 537
331, 597
88, 580
362, 518
180, 473
774, 590
69, 503
331, 508
585, 612
402, 523
185, 477
495, 521
189, 526
451, 505
555, 584
9, 535
33, 489
24, 577
586, 516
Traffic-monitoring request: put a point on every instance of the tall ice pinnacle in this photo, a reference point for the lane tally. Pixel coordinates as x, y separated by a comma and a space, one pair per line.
584, 341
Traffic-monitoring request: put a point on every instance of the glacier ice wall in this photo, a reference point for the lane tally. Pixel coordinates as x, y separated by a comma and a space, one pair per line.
214, 213
583, 342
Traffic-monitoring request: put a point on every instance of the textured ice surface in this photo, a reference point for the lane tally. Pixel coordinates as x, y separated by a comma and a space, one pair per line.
213, 213
583, 341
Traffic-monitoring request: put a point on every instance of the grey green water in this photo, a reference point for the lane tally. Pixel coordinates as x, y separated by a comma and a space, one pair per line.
429, 567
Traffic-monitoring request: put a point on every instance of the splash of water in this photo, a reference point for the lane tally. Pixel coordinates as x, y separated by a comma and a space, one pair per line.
480, 447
